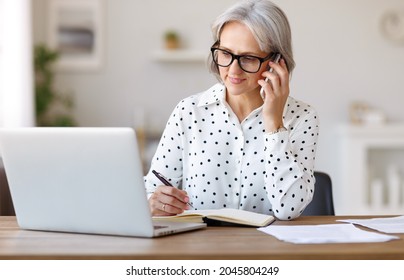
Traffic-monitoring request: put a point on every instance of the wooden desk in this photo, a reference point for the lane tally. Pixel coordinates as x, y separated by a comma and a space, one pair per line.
209, 243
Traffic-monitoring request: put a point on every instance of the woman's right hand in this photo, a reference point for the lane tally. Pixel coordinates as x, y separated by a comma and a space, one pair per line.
167, 201
276, 95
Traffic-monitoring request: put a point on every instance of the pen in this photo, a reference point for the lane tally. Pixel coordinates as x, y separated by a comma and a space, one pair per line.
165, 181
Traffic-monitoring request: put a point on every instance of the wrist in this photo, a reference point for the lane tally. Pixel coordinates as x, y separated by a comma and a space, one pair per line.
273, 123
279, 129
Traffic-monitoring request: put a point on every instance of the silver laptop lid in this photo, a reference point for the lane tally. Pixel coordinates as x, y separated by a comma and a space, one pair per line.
85, 180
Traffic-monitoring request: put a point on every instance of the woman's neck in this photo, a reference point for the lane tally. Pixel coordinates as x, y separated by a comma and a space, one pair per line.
243, 105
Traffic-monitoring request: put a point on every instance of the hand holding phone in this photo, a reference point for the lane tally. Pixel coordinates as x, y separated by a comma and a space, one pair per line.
276, 60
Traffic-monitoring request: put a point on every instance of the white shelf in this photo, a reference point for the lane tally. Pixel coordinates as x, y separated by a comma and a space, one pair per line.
373, 130
180, 56
366, 153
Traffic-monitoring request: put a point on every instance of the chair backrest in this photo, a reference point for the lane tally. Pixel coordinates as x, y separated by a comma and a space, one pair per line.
322, 203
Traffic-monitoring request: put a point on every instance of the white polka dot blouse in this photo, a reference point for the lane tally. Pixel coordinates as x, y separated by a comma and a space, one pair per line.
222, 163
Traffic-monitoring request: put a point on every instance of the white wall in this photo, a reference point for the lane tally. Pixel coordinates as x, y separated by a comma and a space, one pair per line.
16, 71
340, 53
1, 62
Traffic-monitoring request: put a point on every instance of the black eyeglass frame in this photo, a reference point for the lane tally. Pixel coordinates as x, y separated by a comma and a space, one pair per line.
237, 57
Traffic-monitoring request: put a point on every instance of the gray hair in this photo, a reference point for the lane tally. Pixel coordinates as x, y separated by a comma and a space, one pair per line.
268, 24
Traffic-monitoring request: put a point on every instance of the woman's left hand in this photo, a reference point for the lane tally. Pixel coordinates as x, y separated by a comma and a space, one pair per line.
276, 95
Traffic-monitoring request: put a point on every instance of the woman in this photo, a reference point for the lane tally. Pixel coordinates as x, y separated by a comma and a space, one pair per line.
228, 146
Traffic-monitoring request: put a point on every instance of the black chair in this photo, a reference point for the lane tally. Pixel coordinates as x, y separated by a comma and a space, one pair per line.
6, 204
322, 203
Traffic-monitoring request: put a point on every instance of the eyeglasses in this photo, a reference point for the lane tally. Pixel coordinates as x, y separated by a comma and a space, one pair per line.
249, 63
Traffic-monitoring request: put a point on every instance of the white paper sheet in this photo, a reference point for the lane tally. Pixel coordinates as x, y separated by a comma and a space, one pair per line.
329, 233
387, 225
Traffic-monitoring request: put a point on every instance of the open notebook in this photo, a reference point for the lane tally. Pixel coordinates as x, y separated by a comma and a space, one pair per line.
225, 216
85, 180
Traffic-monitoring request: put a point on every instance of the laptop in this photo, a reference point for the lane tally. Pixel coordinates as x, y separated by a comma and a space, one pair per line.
82, 180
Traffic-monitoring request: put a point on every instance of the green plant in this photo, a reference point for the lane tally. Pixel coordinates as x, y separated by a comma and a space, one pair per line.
52, 108
172, 39
171, 35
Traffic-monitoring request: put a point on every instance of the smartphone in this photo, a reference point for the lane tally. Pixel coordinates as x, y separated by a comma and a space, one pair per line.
276, 60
